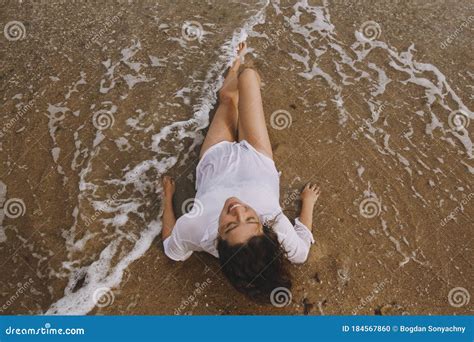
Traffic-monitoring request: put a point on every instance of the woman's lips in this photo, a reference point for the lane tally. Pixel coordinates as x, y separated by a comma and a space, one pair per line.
233, 202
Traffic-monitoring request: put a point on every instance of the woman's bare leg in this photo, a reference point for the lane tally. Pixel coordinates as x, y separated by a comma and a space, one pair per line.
224, 124
252, 126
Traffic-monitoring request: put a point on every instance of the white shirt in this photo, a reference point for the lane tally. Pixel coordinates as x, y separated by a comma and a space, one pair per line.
235, 169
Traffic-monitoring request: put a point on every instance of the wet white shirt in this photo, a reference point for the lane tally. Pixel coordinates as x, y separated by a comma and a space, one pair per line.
235, 169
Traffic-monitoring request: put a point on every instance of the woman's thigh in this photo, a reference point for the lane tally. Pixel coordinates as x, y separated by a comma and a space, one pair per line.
223, 126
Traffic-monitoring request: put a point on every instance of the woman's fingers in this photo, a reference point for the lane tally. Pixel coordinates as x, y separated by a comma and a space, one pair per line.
313, 187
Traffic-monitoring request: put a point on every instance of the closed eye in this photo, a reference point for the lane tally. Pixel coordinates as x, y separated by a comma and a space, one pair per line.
251, 220
232, 225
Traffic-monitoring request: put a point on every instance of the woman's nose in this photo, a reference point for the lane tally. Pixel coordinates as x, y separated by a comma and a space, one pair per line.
239, 211
242, 214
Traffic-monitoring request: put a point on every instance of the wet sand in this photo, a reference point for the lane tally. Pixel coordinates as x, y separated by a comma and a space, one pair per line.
372, 136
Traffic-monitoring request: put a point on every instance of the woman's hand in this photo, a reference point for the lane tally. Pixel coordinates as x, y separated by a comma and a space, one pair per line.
309, 196
168, 187
310, 193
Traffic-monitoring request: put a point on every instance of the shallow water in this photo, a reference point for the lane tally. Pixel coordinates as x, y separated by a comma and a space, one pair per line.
100, 109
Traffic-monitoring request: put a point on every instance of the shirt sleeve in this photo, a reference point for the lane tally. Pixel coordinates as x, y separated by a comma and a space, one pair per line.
296, 240
181, 243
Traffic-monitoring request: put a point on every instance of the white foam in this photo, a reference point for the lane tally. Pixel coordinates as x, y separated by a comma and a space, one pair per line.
103, 272
73, 88
55, 152
311, 42
157, 62
135, 79
123, 144
130, 79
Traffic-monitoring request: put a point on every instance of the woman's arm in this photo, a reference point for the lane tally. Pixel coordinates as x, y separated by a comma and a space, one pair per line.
297, 240
168, 220
309, 196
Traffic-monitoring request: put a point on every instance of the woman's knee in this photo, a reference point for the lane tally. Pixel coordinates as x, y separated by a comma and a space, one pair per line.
228, 97
249, 72
249, 75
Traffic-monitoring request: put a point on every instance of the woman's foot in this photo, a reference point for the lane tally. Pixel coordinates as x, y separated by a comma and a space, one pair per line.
168, 185
241, 51
229, 92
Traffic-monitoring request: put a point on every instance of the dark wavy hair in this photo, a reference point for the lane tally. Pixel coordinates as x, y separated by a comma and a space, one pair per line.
257, 266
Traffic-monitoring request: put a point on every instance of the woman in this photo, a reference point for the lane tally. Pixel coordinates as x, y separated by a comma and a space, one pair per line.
237, 215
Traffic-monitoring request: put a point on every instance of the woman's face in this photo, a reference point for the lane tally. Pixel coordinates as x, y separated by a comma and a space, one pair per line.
238, 222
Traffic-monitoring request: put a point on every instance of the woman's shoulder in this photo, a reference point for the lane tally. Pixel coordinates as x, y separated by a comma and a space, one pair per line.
279, 222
